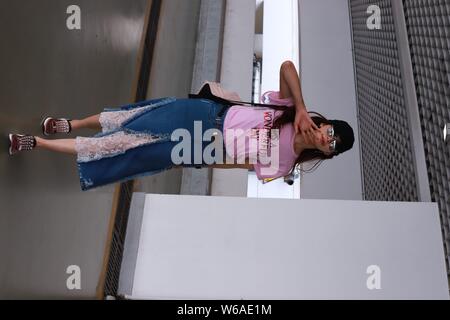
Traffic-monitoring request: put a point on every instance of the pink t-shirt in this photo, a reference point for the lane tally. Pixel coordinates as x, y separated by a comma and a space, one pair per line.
247, 134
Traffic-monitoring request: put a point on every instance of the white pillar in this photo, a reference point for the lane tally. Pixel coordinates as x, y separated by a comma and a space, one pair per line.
236, 75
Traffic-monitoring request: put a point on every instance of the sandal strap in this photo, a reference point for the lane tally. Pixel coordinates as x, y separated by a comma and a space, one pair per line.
63, 126
27, 142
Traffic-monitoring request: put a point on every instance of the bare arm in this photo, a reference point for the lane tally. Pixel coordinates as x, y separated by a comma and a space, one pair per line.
290, 87
290, 84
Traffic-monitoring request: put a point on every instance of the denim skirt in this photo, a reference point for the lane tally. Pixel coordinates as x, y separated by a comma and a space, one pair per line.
156, 118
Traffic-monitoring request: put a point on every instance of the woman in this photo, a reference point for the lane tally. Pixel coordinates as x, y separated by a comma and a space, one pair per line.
139, 139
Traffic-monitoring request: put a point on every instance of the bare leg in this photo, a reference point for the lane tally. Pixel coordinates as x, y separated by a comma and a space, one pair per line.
57, 145
91, 122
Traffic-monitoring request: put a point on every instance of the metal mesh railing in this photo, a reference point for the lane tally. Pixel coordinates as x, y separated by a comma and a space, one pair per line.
386, 147
428, 27
387, 158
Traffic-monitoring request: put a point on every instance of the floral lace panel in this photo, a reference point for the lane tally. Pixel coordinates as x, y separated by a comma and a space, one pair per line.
111, 120
95, 148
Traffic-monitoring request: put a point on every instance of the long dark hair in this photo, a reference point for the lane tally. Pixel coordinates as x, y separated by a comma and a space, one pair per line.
288, 116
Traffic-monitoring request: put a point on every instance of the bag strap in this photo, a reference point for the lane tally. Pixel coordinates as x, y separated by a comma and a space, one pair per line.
227, 102
254, 104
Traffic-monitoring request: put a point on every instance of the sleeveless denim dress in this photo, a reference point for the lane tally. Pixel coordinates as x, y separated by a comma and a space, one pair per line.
136, 139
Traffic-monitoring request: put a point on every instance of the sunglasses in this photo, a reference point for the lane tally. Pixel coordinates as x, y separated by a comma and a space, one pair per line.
330, 132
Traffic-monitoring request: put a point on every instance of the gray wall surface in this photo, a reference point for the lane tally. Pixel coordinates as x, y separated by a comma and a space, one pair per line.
236, 75
327, 77
246, 248
208, 54
171, 74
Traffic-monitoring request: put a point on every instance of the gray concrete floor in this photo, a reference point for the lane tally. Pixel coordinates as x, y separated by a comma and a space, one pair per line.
46, 222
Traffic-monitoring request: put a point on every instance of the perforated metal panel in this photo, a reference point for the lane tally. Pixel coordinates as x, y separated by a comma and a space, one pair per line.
386, 148
428, 27
388, 166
